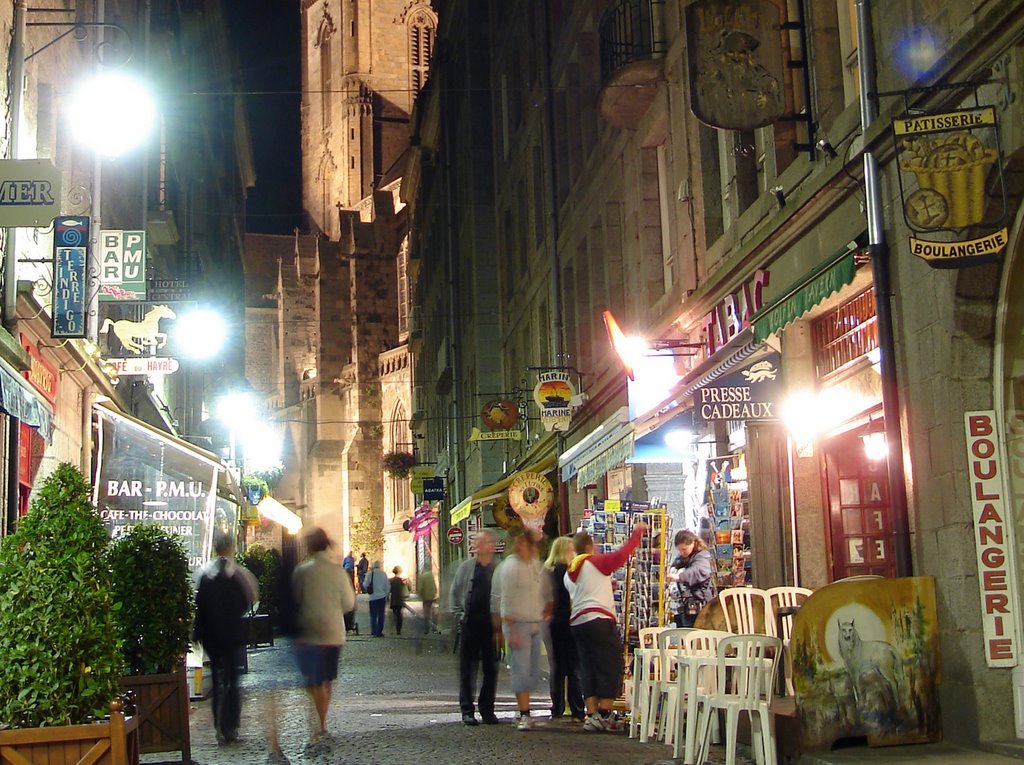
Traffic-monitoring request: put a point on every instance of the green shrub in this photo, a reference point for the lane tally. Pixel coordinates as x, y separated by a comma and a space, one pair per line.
265, 565
154, 587
59, 643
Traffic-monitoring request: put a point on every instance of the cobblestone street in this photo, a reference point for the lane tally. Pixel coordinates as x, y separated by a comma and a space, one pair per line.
395, 702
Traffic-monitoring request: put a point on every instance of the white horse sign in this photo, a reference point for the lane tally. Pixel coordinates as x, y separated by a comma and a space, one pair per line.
136, 332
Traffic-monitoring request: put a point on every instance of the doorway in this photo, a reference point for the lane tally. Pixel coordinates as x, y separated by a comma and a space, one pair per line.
859, 513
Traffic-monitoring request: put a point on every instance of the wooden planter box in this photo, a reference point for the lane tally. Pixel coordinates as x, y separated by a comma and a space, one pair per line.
112, 742
161, 703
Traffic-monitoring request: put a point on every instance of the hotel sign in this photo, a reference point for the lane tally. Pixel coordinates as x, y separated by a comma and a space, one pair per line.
992, 536
945, 162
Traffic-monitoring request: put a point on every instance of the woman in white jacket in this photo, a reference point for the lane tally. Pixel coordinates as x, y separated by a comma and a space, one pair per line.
521, 599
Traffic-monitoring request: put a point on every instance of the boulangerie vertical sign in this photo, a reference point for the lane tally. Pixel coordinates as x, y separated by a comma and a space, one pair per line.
992, 537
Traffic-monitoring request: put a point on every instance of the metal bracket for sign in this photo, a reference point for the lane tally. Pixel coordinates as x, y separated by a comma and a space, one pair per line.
807, 115
75, 28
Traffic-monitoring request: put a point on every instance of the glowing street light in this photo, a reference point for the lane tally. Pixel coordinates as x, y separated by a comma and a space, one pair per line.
114, 113
201, 333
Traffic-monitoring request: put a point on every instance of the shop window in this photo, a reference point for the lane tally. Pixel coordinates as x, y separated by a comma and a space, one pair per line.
847, 17
845, 334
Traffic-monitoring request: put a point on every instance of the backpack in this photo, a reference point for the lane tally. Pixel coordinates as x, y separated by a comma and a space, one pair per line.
221, 605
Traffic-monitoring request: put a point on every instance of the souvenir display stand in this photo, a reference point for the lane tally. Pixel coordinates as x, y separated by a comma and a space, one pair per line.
729, 511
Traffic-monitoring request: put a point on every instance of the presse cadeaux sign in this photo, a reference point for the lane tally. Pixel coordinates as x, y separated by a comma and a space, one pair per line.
749, 394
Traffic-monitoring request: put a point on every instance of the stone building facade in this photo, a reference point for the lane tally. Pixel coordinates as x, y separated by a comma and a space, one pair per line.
733, 246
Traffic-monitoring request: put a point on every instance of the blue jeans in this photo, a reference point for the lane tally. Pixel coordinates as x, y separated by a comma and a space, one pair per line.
523, 639
377, 616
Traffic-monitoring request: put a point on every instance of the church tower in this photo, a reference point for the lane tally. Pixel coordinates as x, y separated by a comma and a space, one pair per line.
363, 63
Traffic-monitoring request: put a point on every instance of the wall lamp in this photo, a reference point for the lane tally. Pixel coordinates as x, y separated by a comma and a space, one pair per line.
780, 196
827, 148
631, 349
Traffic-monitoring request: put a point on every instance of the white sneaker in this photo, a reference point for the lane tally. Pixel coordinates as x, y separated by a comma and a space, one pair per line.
524, 723
594, 723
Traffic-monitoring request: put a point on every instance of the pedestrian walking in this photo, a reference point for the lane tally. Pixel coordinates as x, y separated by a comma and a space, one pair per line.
226, 593
470, 598
426, 588
521, 603
376, 585
563, 658
361, 568
323, 594
349, 564
398, 594
588, 580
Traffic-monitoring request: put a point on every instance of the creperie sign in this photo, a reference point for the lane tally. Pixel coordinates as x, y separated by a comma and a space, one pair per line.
992, 538
41, 374
732, 315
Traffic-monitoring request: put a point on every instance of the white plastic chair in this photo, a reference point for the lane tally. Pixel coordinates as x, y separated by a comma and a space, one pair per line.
697, 676
662, 700
746, 669
745, 603
646, 667
786, 597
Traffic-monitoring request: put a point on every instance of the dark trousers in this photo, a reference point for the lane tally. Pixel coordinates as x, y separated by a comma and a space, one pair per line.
227, 701
476, 643
565, 671
398, 619
377, 616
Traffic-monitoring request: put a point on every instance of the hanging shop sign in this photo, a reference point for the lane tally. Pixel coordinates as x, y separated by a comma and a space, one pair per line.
531, 496
418, 475
734, 51
992, 537
733, 313
41, 374
750, 393
557, 398
168, 290
499, 417
29, 192
122, 259
945, 161
70, 305
433, 489
141, 330
125, 367
456, 535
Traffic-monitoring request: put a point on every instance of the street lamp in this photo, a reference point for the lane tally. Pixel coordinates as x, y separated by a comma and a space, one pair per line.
109, 93
201, 333
632, 350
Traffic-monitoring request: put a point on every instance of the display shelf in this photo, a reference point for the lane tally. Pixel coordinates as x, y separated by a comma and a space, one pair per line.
729, 510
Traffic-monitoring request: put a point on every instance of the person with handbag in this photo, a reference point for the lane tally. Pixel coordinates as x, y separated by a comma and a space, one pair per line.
377, 586
691, 576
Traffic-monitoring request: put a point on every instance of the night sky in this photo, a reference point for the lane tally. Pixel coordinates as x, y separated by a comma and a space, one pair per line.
266, 34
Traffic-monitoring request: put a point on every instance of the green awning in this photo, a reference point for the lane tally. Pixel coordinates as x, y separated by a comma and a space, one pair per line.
822, 282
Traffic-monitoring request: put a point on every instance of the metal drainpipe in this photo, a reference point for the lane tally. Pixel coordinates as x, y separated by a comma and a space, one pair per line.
555, 282
883, 287
454, 439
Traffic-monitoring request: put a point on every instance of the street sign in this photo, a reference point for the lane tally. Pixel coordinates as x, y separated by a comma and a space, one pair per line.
456, 535
70, 304
433, 489
154, 365
122, 259
29, 192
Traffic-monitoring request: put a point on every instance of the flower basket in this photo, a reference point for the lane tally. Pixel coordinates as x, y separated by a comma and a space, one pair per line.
398, 464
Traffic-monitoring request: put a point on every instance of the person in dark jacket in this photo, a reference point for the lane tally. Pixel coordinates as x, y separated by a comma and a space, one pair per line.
224, 596
691, 578
563, 661
397, 596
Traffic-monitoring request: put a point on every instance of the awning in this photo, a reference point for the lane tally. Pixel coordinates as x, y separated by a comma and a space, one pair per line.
18, 399
488, 493
618, 452
609, 435
273, 510
816, 286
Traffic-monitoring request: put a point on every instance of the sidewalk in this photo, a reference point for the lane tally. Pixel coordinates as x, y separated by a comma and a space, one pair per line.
928, 754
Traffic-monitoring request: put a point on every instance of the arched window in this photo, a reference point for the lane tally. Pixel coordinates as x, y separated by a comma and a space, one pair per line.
401, 440
422, 25
323, 42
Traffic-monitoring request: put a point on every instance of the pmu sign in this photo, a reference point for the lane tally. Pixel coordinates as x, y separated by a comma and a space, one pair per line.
29, 192
993, 524
70, 239
122, 265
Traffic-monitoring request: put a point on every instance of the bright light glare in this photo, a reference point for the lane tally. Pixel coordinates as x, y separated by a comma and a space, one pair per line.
261, 446
807, 414
875, 447
200, 333
679, 440
917, 52
273, 510
112, 113
236, 409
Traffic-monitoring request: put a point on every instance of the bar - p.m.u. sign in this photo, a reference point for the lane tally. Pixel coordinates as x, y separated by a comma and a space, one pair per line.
122, 265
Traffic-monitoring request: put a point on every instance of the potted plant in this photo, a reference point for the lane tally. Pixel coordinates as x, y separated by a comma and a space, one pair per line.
265, 565
59, 635
153, 585
398, 464
256, 488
